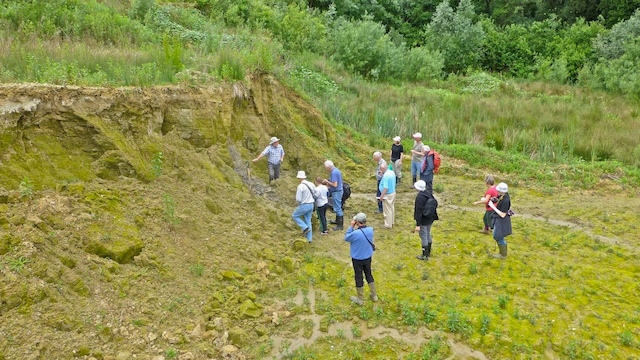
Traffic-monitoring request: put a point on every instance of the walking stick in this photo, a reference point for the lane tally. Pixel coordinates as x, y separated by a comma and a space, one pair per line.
249, 170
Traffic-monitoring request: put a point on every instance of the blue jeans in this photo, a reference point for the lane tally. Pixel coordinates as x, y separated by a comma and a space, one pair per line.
337, 201
416, 167
302, 216
500, 241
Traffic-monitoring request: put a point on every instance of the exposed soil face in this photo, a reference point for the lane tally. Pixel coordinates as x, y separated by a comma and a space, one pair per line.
133, 225
110, 249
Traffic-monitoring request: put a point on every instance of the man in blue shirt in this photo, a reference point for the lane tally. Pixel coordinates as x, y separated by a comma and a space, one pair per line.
387, 189
334, 183
275, 153
360, 238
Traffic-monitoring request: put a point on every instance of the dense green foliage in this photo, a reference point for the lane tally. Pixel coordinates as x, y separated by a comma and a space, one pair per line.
336, 53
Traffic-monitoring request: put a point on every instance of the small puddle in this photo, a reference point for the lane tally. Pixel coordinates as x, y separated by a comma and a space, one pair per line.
343, 329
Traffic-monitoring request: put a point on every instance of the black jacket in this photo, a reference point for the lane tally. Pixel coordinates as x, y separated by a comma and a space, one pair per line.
421, 201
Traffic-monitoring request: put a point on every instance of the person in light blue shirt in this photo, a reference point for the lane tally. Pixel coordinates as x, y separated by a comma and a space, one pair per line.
361, 246
275, 153
334, 183
387, 189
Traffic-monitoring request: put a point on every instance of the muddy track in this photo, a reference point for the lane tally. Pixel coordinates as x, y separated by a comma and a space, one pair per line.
415, 340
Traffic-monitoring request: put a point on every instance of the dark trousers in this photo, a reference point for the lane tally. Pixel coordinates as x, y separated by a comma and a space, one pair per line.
487, 219
378, 193
360, 267
322, 215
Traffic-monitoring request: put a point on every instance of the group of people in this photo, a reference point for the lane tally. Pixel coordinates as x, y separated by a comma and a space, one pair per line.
360, 236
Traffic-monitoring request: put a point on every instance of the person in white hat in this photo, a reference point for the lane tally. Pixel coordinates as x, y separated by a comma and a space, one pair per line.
276, 156
397, 151
377, 157
417, 154
306, 194
501, 219
424, 213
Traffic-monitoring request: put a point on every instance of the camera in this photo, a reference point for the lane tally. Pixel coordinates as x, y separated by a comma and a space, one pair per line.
495, 199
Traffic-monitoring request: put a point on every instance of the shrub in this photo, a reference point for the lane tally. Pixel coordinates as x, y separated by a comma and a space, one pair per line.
301, 30
456, 36
422, 64
613, 44
362, 46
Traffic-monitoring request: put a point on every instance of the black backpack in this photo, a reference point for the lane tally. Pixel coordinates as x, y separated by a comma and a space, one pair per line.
346, 192
430, 207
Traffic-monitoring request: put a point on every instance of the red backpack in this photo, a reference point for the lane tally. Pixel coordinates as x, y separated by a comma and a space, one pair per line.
436, 161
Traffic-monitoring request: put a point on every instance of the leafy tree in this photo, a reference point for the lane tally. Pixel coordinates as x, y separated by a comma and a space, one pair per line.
456, 36
613, 44
421, 64
363, 46
301, 30
615, 11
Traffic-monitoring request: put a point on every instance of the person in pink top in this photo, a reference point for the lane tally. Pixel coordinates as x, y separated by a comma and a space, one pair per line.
490, 193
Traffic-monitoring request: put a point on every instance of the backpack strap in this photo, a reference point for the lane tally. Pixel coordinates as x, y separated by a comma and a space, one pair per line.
369, 241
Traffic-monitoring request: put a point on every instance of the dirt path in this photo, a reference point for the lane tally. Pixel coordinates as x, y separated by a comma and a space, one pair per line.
285, 345
611, 240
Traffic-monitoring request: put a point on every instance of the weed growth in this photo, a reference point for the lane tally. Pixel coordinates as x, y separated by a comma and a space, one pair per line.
26, 188
170, 210
17, 264
157, 163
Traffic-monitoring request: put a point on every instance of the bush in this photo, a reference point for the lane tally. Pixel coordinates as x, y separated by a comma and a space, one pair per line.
363, 47
456, 36
422, 64
301, 30
613, 45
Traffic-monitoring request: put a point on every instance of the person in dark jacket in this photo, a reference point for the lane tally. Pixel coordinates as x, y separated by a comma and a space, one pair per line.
424, 222
501, 219
427, 167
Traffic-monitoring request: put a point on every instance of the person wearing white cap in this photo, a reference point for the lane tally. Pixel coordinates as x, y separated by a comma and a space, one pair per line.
377, 157
305, 197
417, 154
501, 219
427, 166
361, 247
397, 151
424, 213
276, 156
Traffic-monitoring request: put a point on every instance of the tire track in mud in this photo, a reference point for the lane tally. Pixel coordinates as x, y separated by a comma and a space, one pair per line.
343, 329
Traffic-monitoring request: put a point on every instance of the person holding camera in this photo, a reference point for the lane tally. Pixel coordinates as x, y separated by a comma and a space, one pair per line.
361, 246
501, 218
488, 195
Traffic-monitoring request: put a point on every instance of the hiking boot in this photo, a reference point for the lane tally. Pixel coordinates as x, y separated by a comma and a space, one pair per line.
372, 290
425, 254
503, 252
305, 231
359, 299
484, 231
324, 233
339, 223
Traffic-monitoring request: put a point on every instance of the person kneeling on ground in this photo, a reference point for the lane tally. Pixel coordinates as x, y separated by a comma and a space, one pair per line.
360, 238
424, 214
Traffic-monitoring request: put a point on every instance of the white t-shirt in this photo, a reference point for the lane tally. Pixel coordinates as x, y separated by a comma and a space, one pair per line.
323, 192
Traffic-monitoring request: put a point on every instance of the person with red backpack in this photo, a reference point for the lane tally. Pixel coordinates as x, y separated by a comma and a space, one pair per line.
428, 168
